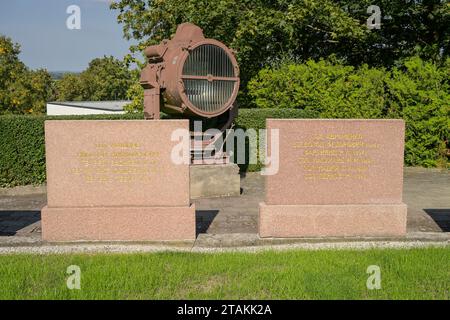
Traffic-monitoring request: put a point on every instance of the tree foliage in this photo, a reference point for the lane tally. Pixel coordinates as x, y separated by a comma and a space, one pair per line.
260, 30
408, 28
105, 78
136, 94
330, 88
21, 90
417, 91
264, 31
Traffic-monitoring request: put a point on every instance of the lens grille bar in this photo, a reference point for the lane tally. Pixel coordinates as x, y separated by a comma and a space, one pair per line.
208, 59
209, 96
209, 78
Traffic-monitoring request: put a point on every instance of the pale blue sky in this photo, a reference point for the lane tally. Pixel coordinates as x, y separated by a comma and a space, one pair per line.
39, 26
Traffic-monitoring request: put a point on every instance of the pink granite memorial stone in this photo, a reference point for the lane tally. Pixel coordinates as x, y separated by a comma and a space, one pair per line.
115, 180
336, 178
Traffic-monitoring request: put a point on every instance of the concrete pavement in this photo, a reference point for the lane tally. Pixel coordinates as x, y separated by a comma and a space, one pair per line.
232, 221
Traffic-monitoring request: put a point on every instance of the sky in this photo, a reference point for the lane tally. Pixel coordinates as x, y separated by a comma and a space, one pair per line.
39, 26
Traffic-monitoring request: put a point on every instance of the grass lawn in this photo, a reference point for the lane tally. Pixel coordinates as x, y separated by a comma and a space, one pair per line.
405, 274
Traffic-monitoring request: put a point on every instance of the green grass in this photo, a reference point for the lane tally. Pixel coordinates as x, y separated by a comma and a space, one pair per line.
405, 274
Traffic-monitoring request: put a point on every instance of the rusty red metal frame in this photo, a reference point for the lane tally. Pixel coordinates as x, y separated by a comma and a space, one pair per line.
164, 74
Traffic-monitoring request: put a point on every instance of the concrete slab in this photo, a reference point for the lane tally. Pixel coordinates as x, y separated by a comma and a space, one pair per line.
216, 180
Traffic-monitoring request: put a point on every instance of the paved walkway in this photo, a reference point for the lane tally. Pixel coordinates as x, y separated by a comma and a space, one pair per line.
232, 221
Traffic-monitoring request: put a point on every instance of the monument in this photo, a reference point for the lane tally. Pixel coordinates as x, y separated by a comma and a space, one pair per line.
336, 178
115, 180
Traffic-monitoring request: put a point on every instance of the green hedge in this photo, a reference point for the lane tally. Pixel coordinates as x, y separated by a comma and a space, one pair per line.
256, 119
417, 91
22, 147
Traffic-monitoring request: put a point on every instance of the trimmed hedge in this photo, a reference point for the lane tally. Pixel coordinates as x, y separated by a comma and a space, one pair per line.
22, 145
256, 119
417, 91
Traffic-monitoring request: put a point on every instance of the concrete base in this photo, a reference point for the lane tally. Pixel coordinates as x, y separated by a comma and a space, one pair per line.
284, 221
215, 180
118, 223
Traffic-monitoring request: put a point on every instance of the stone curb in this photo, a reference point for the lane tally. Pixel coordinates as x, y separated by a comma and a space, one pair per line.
113, 248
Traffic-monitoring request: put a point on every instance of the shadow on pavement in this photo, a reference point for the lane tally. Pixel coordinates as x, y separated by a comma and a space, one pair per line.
441, 217
203, 219
11, 221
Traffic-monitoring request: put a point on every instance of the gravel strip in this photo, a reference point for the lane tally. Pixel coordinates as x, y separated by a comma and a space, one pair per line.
143, 248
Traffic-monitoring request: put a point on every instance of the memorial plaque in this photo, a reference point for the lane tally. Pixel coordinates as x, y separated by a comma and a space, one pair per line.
115, 180
338, 162
336, 178
114, 163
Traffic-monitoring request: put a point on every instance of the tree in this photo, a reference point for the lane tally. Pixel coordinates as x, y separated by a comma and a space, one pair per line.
264, 31
33, 91
417, 91
21, 90
135, 93
105, 79
408, 28
261, 31
69, 88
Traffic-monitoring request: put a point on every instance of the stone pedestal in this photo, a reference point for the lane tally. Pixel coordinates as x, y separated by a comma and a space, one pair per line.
336, 178
121, 223
116, 180
284, 221
215, 180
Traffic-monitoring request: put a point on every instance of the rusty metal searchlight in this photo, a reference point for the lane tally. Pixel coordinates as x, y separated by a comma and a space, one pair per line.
190, 75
